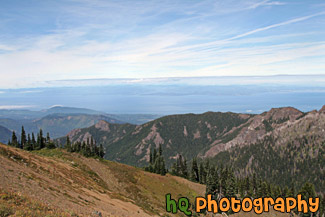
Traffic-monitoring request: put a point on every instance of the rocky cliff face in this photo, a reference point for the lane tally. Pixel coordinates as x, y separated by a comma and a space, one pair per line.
258, 127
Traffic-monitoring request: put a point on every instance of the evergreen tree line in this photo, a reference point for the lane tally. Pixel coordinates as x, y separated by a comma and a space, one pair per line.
156, 162
221, 181
280, 164
87, 149
30, 142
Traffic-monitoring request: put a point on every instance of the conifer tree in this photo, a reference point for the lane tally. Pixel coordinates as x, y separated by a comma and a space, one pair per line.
162, 166
41, 139
157, 162
210, 188
231, 188
23, 139
262, 190
184, 172
33, 141
48, 139
154, 156
29, 139
28, 146
223, 180
14, 141
194, 171
49, 143
150, 157
202, 173
160, 150
38, 142
174, 169
101, 151
68, 144
307, 191
254, 183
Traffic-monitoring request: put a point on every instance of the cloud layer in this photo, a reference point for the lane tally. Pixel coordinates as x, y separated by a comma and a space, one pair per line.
89, 39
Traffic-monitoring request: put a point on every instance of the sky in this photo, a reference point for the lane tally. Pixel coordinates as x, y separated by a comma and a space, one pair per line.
47, 43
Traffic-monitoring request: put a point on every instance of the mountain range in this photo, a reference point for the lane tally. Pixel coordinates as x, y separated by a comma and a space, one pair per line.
273, 143
58, 121
5, 134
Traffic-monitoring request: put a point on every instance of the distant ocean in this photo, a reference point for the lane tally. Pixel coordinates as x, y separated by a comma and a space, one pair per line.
168, 98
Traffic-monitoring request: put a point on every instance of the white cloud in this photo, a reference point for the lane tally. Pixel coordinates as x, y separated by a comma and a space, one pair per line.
16, 106
30, 91
275, 3
299, 19
53, 106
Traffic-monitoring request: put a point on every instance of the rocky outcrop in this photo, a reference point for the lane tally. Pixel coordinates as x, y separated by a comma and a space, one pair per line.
103, 126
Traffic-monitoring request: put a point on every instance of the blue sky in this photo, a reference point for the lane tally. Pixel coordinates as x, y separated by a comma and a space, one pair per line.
44, 41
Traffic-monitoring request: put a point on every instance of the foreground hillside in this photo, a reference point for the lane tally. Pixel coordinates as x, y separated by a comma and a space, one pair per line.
62, 184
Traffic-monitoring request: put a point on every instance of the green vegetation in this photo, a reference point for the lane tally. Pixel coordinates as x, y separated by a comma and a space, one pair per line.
30, 143
222, 181
178, 134
88, 149
157, 162
297, 162
179, 168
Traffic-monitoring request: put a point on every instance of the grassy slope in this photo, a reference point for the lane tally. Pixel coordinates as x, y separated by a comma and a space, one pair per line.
71, 183
12, 203
56, 183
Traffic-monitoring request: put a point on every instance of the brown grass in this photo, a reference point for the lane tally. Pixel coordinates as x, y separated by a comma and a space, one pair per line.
58, 183
82, 185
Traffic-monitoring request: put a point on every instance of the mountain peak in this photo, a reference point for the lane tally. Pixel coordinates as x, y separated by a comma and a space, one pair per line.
283, 113
103, 126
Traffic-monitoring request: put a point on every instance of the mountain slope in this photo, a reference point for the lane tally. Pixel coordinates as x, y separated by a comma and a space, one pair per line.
285, 138
292, 149
60, 124
56, 124
5, 134
22, 114
188, 135
203, 135
73, 183
257, 128
26, 115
